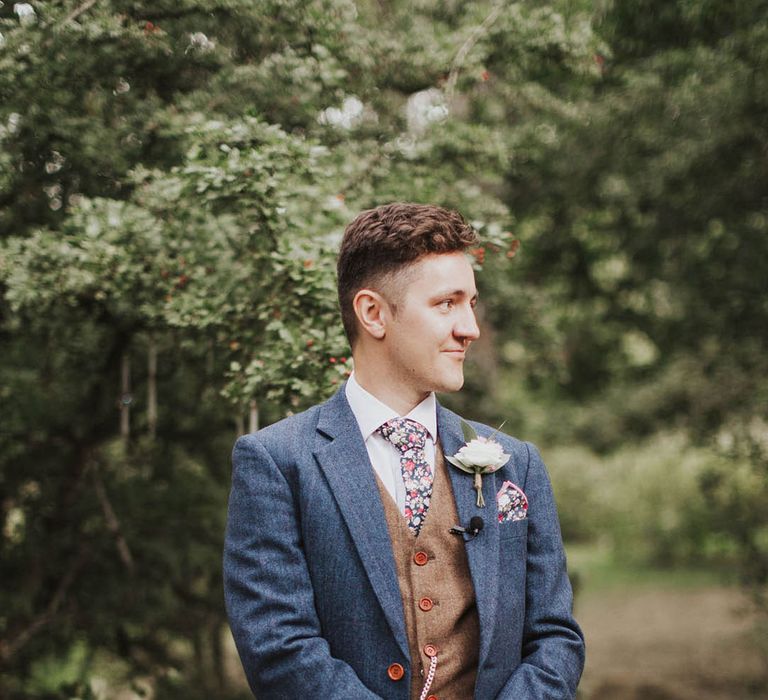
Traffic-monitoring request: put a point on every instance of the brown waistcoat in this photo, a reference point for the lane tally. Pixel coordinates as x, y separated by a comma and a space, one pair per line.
437, 592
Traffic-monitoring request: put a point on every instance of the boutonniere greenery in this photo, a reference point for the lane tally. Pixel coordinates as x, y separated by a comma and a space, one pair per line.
479, 456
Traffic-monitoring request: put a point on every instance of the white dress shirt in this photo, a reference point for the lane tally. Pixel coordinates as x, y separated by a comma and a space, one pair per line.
370, 414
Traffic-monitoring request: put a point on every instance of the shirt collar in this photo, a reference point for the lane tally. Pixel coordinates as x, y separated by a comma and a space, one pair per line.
371, 413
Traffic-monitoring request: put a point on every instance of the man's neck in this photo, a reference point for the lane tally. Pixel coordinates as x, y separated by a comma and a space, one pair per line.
389, 392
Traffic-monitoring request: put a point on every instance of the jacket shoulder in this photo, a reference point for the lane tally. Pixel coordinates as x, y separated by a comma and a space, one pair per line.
289, 431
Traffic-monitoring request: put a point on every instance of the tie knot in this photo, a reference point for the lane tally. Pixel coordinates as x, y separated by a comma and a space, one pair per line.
405, 434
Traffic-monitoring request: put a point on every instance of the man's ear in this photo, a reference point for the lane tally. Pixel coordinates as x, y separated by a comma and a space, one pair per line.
372, 312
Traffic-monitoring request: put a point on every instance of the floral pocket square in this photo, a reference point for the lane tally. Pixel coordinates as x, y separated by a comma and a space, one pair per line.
511, 503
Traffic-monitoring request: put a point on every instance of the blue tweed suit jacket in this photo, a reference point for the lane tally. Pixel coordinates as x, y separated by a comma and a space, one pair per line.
309, 575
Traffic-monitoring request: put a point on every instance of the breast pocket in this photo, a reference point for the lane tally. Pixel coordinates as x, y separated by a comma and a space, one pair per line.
512, 529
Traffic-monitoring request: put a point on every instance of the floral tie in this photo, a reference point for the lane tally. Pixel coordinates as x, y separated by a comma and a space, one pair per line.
410, 438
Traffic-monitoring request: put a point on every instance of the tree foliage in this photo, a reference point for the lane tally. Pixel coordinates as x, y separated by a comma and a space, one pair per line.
174, 179
646, 213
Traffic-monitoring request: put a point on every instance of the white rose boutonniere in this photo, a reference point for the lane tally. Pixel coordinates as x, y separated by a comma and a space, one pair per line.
479, 456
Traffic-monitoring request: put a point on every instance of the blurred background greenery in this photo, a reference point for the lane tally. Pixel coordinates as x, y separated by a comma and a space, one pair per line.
174, 179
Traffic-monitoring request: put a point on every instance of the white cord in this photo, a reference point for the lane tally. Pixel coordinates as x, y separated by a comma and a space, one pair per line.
430, 677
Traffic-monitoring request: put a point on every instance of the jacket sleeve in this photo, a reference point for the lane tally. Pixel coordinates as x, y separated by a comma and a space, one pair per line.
268, 591
553, 644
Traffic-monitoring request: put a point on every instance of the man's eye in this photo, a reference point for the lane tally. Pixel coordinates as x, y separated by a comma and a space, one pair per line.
446, 304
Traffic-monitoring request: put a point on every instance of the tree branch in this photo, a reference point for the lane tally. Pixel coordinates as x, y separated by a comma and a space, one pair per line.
113, 524
87, 5
467, 46
9, 648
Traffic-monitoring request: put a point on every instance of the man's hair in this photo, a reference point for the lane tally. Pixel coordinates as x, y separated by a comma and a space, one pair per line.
381, 242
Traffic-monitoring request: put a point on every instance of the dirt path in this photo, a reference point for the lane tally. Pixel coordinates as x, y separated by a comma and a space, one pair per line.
670, 645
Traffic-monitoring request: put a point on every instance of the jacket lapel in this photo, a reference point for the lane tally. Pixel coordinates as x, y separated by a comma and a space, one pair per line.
482, 550
344, 460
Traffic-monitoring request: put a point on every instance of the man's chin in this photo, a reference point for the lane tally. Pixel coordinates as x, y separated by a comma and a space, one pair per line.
451, 384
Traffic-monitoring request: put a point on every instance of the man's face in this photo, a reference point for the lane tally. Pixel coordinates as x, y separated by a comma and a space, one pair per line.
427, 337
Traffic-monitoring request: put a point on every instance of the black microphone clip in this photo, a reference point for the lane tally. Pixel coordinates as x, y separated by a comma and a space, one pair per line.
476, 524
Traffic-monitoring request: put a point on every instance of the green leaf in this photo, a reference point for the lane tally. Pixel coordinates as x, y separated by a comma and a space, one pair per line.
456, 463
469, 432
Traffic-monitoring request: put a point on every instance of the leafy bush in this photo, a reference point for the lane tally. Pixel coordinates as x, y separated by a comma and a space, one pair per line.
645, 501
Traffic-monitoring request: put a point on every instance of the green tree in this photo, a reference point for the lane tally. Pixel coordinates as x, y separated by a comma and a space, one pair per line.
174, 179
152, 234
645, 219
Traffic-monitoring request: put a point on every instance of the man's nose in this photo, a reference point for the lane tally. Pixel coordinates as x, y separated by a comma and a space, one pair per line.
467, 325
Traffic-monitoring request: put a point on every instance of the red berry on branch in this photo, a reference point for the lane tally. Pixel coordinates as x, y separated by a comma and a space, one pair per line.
478, 254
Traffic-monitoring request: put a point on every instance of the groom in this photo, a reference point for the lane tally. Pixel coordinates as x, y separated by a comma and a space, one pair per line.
358, 563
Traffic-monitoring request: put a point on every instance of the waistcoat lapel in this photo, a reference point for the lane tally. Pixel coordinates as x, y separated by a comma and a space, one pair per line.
345, 463
482, 550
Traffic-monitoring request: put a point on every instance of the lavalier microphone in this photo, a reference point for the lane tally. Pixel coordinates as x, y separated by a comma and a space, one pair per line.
476, 524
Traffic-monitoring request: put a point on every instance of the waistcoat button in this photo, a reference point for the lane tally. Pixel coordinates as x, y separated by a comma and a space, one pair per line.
395, 672
420, 558
432, 697
430, 650
426, 604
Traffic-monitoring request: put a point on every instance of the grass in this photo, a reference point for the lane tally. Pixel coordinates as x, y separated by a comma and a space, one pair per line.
594, 568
